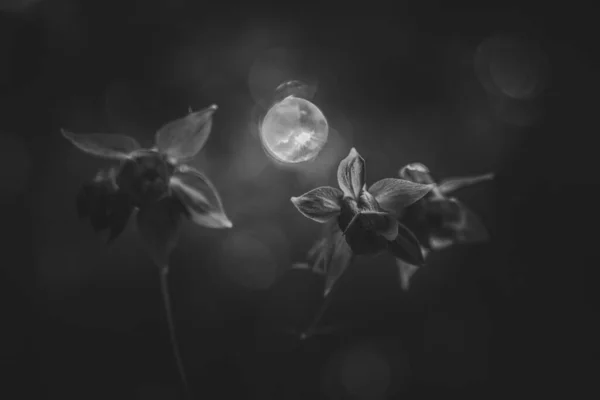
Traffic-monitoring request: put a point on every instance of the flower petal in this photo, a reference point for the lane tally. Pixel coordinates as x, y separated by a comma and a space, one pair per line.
367, 202
469, 228
200, 197
116, 147
393, 195
183, 138
406, 247
452, 184
320, 204
405, 273
158, 224
416, 172
351, 174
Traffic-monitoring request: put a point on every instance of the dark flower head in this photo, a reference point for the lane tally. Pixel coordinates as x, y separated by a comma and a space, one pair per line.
439, 220
157, 182
367, 218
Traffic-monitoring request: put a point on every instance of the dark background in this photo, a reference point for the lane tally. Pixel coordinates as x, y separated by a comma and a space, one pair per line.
506, 89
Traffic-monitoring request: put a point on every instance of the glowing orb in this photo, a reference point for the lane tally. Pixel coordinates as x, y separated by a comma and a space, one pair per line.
294, 130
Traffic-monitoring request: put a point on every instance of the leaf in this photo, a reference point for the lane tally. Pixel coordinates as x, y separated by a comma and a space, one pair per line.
200, 197
405, 273
183, 138
406, 247
416, 172
116, 147
158, 224
450, 185
320, 204
393, 195
351, 174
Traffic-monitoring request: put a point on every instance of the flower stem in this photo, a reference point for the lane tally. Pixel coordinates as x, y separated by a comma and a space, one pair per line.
312, 328
164, 284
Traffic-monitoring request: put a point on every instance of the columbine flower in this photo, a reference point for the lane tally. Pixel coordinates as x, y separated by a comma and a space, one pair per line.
439, 221
157, 182
367, 218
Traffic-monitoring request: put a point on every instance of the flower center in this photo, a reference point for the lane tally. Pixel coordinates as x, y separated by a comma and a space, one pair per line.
360, 234
145, 177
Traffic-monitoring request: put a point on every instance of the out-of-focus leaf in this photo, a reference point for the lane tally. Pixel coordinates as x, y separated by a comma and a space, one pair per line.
200, 197
301, 266
183, 138
406, 247
416, 172
116, 147
469, 229
93, 202
158, 224
84, 196
438, 243
307, 267
320, 204
441, 212
393, 195
316, 248
99, 214
120, 212
450, 185
337, 259
405, 273
351, 174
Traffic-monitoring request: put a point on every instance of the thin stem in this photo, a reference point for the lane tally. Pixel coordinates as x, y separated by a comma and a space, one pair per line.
324, 307
164, 285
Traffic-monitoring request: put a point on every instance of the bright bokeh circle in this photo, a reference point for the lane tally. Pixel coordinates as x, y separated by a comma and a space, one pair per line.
294, 130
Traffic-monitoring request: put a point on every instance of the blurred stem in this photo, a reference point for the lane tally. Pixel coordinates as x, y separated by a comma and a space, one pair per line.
312, 328
164, 285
